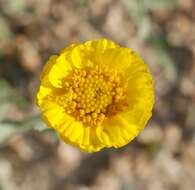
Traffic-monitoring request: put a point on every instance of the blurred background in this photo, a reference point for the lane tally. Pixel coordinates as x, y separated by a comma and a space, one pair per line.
161, 158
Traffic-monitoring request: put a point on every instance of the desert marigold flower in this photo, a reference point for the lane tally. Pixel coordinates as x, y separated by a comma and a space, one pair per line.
96, 94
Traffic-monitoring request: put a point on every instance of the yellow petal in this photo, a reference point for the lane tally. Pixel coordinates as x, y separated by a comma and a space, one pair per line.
91, 142
42, 93
117, 132
77, 56
53, 114
139, 114
101, 44
140, 92
123, 60
47, 67
59, 71
73, 132
81, 136
96, 48
117, 58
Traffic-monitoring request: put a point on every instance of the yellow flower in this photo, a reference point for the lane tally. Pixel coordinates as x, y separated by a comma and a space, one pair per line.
96, 94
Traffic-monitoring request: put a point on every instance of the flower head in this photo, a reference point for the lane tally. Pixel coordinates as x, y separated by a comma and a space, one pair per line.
96, 94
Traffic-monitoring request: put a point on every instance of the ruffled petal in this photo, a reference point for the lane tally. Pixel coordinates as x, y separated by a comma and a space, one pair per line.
59, 71
72, 130
96, 48
53, 114
100, 45
74, 55
141, 91
92, 144
139, 114
117, 132
81, 136
42, 93
47, 67
141, 99
123, 60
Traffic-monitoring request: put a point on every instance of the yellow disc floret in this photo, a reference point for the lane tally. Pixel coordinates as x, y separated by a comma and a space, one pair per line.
93, 94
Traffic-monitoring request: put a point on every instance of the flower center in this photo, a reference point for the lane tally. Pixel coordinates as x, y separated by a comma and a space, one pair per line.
93, 94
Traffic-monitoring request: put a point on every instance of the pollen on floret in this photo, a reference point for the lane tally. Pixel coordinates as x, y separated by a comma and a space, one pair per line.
92, 94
